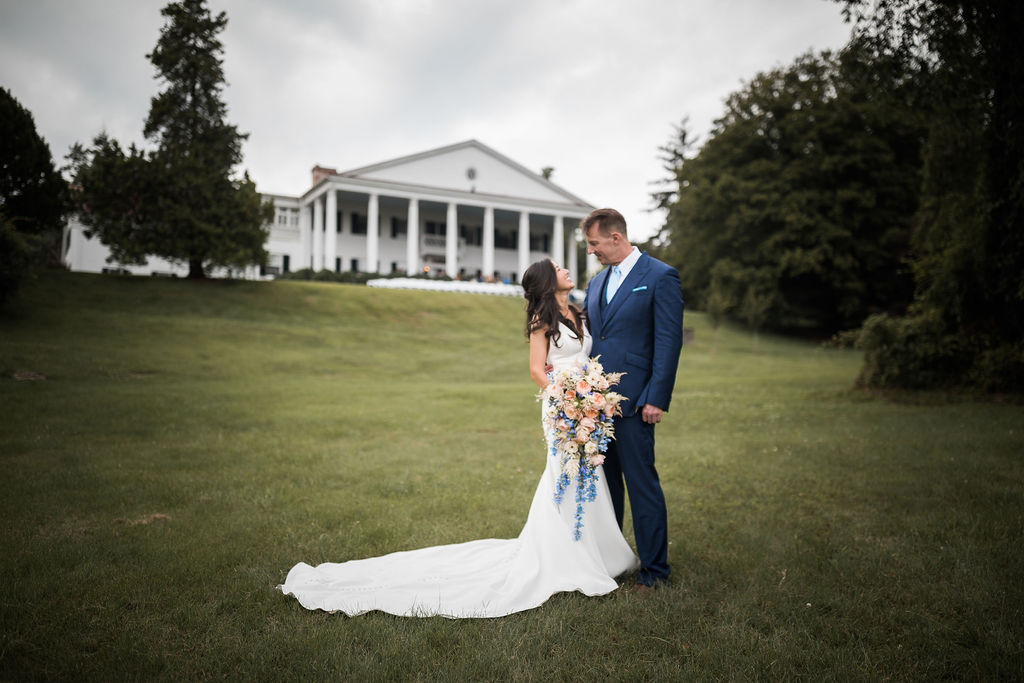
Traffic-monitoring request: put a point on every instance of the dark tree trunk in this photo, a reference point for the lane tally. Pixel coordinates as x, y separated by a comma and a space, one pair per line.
195, 269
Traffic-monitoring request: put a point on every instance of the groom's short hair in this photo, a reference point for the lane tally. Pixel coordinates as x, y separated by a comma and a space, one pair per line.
607, 222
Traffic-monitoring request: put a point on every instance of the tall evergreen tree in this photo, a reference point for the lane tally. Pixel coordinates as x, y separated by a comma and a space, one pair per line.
180, 200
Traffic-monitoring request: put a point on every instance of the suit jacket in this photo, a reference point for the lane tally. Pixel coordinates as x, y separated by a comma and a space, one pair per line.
640, 332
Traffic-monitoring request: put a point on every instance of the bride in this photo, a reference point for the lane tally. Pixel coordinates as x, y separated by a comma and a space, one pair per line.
495, 577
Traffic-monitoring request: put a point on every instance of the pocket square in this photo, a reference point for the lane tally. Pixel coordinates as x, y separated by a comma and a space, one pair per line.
640, 288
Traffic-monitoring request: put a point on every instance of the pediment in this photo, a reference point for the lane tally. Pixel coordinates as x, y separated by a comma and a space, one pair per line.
467, 167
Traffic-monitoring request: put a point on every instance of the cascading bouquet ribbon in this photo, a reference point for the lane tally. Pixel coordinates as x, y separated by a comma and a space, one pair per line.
579, 409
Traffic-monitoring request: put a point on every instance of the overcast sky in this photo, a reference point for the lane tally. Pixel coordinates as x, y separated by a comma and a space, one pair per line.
589, 87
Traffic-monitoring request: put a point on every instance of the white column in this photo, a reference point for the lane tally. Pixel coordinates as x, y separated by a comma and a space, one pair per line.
488, 266
524, 244
558, 243
318, 233
305, 259
412, 236
570, 257
331, 231
451, 241
372, 234
592, 265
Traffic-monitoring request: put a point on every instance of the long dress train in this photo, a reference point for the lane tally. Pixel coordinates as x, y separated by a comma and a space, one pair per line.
489, 577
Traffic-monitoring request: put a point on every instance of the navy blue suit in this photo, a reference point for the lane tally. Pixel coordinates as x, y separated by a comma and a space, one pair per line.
640, 332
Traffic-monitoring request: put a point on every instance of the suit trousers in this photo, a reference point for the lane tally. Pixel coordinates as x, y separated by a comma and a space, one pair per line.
630, 456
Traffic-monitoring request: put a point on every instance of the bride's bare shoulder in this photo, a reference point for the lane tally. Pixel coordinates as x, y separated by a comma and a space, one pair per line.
538, 326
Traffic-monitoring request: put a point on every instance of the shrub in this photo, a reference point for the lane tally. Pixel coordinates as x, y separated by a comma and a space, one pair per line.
919, 352
19, 254
909, 352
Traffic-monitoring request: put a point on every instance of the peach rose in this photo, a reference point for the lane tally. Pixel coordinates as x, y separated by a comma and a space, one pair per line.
596, 460
591, 413
597, 400
572, 412
582, 388
588, 423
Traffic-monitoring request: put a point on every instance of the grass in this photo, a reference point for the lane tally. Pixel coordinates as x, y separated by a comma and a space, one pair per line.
192, 441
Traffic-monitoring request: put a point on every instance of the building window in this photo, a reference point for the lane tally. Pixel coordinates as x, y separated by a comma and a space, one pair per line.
285, 263
275, 265
504, 240
394, 266
358, 224
355, 265
337, 223
435, 228
337, 265
398, 227
472, 235
540, 242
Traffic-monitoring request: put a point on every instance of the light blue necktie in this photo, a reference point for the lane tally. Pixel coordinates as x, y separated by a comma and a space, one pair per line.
614, 279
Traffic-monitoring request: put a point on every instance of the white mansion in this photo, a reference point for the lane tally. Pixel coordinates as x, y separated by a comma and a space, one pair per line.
463, 210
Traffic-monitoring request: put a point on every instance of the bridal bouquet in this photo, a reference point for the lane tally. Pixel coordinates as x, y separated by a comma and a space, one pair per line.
578, 411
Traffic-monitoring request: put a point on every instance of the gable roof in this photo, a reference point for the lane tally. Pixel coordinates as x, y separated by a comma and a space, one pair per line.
467, 166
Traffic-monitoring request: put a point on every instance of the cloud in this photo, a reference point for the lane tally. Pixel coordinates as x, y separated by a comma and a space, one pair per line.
590, 87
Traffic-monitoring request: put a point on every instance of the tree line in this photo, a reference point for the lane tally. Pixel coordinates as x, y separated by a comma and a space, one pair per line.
876, 190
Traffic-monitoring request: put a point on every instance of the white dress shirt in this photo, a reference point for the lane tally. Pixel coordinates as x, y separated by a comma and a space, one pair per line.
620, 272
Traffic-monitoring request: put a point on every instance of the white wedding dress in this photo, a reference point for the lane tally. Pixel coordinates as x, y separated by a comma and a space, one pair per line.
490, 577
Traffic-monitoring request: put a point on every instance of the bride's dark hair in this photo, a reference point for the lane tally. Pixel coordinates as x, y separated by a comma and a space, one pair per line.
540, 282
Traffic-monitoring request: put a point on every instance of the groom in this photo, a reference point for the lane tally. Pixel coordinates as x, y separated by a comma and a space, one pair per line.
635, 311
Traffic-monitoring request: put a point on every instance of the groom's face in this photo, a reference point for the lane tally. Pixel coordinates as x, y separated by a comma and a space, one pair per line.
607, 248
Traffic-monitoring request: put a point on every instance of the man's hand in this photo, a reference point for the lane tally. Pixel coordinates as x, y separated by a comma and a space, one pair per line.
651, 414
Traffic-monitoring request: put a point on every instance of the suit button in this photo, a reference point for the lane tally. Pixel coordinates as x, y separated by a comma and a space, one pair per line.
602, 337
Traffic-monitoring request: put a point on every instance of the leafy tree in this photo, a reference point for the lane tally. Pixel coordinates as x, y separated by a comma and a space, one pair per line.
966, 325
179, 200
115, 189
33, 196
806, 186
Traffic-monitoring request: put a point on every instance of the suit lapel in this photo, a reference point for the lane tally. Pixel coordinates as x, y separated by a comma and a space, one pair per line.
595, 305
625, 289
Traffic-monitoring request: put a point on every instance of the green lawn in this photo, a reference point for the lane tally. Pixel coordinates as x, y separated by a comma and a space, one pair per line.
192, 441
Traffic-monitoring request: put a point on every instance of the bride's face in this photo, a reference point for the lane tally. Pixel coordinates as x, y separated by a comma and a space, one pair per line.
562, 276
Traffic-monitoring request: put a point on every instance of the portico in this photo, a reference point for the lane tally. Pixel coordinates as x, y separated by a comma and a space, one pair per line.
361, 221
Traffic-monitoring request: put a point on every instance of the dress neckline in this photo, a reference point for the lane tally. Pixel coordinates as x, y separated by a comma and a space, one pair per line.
586, 332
